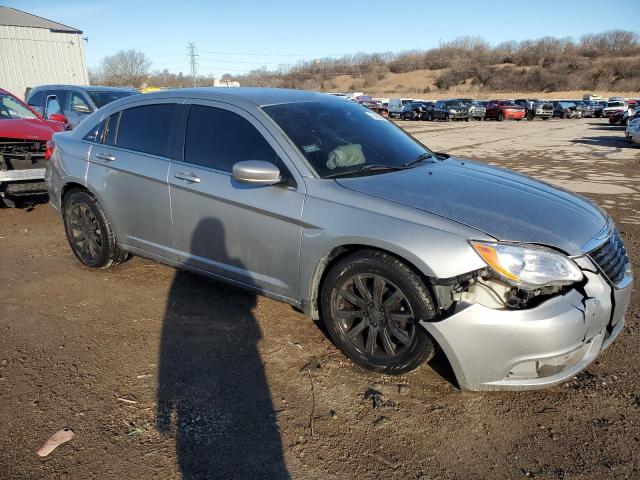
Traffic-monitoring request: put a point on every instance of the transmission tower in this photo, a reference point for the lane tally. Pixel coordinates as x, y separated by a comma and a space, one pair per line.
193, 61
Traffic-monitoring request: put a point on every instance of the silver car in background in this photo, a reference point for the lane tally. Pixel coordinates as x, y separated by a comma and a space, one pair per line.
326, 205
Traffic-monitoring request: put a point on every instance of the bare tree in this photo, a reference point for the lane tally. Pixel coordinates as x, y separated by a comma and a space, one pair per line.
125, 68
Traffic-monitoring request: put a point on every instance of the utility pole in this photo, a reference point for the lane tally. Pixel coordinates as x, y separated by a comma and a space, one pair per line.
193, 60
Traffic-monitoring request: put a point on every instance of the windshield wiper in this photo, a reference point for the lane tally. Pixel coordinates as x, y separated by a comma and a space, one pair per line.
367, 168
420, 158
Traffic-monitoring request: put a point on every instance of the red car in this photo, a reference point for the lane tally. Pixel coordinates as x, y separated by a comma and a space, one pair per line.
504, 109
23, 146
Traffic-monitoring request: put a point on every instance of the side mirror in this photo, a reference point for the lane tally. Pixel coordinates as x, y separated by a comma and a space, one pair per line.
81, 108
58, 117
257, 172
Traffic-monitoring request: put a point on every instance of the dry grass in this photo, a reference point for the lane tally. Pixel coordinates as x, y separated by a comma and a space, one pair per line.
414, 85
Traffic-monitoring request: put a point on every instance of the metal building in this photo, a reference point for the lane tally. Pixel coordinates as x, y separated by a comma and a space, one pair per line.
36, 51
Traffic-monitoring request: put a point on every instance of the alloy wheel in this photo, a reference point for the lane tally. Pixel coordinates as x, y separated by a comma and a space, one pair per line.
375, 315
85, 232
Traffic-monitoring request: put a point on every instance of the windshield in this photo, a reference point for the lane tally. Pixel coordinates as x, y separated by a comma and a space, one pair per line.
615, 104
507, 104
342, 138
103, 98
453, 103
12, 109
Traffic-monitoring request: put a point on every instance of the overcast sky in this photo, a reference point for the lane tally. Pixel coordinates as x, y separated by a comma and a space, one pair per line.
236, 36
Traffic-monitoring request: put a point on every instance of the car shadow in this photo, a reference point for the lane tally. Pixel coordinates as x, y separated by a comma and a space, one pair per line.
212, 392
24, 201
617, 141
609, 128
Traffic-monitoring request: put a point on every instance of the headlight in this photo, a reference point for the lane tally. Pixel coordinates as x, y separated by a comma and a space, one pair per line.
528, 265
452, 110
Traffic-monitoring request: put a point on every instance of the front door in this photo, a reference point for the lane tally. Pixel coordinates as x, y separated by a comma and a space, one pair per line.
249, 234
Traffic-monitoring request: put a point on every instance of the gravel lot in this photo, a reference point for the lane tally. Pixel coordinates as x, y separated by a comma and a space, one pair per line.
162, 374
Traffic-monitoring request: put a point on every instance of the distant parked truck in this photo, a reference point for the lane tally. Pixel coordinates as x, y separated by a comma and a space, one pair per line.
448, 110
590, 97
563, 109
614, 105
535, 108
476, 109
395, 106
504, 110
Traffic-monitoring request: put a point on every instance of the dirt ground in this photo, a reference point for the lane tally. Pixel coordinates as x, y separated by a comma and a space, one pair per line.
165, 375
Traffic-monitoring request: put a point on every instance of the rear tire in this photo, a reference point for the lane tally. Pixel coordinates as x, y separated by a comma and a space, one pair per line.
371, 303
500, 117
89, 231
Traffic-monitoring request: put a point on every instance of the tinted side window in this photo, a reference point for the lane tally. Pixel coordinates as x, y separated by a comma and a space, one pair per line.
218, 138
36, 99
146, 128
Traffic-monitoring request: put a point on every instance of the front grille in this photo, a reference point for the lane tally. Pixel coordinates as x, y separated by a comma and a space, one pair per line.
612, 258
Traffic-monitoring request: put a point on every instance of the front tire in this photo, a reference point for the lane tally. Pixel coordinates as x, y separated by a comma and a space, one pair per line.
500, 117
371, 303
89, 231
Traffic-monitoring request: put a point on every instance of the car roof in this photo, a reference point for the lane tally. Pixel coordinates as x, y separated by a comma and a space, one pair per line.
88, 88
256, 95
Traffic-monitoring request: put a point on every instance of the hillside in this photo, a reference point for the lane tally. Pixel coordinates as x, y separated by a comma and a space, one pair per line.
555, 68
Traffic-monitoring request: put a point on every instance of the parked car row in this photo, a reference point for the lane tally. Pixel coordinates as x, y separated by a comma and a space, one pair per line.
502, 109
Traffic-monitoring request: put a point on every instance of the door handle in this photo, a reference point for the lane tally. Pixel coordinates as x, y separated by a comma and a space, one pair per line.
105, 156
188, 176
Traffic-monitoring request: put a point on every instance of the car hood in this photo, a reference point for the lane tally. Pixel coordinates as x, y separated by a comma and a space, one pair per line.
29, 128
504, 204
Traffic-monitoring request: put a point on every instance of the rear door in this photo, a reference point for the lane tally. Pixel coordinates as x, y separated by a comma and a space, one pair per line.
129, 170
249, 234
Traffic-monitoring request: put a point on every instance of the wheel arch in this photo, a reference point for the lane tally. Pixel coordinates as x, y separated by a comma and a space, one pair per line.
73, 185
311, 303
70, 186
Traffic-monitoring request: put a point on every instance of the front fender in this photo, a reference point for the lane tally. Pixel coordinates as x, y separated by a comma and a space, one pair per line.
435, 246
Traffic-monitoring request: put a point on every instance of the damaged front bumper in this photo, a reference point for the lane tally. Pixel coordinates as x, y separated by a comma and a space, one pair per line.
492, 349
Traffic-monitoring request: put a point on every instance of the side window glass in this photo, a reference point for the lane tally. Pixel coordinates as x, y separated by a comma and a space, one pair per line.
218, 138
78, 104
95, 134
146, 128
36, 99
53, 106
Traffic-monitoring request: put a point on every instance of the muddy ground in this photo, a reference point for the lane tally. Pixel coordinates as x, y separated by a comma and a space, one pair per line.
165, 375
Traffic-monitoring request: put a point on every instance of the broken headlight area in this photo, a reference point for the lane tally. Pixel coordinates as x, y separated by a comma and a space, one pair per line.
488, 289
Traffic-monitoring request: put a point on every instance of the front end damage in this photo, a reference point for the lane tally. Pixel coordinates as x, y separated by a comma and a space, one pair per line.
497, 337
22, 167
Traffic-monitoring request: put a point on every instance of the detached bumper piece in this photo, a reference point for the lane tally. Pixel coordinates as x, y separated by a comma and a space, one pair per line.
532, 348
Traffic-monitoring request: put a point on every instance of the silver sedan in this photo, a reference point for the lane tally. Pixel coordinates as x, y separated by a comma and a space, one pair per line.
325, 205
